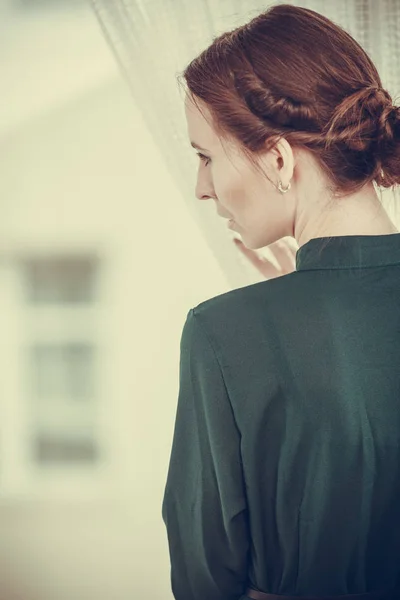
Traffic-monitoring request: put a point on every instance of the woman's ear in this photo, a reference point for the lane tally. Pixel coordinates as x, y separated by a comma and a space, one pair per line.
283, 160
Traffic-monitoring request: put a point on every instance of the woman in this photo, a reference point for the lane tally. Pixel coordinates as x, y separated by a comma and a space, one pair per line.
284, 476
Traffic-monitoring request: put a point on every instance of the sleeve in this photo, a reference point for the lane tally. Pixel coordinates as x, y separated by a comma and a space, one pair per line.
204, 506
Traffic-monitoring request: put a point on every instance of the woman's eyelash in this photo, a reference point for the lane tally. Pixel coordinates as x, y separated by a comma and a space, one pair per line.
205, 159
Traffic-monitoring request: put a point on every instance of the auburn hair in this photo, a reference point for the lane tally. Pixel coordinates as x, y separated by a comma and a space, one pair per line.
291, 72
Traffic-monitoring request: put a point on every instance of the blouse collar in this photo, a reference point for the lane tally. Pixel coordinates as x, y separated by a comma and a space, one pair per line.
349, 252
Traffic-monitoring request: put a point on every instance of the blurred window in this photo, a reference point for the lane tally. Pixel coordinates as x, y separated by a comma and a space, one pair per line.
60, 279
59, 296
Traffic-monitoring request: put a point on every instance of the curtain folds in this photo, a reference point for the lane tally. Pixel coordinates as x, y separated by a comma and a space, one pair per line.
153, 40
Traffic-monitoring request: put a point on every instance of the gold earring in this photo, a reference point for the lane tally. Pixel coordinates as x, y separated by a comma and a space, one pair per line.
282, 190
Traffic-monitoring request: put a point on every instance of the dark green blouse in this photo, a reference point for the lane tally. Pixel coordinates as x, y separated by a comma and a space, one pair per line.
285, 465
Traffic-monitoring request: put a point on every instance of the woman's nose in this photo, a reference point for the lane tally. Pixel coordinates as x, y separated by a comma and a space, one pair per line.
204, 189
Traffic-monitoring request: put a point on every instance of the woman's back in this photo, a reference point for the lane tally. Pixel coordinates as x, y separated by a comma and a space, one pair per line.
302, 372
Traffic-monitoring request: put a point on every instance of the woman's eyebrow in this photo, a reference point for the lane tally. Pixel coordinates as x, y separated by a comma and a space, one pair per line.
194, 145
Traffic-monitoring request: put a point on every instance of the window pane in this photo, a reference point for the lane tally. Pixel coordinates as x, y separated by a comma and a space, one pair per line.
63, 406
51, 449
60, 279
63, 370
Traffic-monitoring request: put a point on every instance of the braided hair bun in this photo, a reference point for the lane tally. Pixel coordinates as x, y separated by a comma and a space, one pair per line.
367, 124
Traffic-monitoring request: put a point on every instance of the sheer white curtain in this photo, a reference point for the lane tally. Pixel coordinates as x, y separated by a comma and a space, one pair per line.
153, 40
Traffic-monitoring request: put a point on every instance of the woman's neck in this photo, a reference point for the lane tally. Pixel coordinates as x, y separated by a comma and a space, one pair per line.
361, 213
